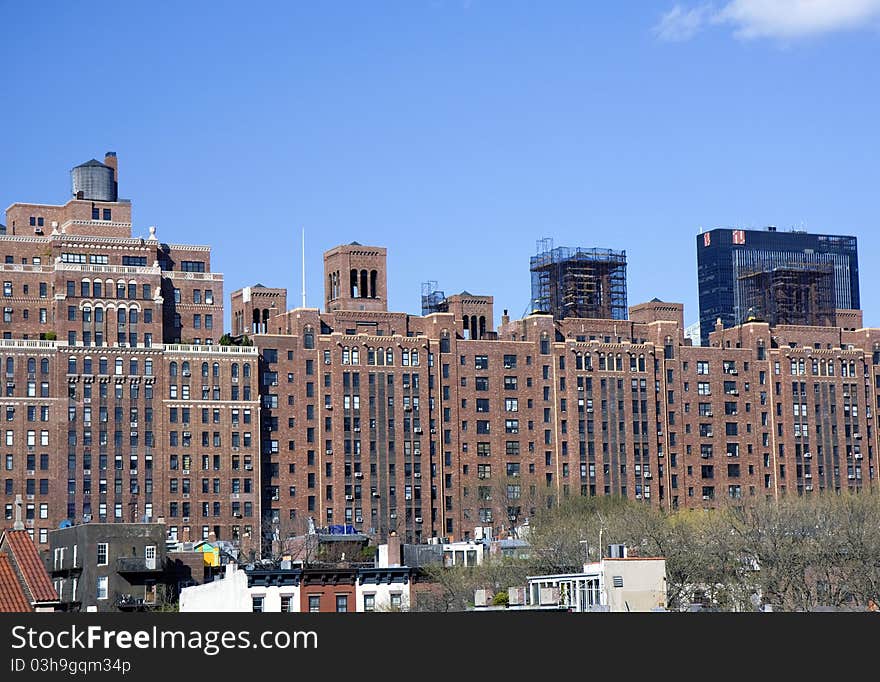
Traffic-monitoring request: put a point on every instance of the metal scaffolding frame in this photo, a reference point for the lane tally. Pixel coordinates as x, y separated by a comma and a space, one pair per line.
433, 300
578, 283
798, 294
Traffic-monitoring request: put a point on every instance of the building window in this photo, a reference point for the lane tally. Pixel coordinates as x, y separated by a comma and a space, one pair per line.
257, 604
341, 603
102, 554
286, 603
102, 587
369, 602
314, 603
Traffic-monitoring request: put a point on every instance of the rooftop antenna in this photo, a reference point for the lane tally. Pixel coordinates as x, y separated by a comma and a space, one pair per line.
304, 265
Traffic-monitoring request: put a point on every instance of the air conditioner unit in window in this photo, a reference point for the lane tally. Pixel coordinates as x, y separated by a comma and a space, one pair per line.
359, 519
808, 475
706, 497
349, 497
418, 429
647, 494
433, 430
30, 497
375, 494
647, 474
248, 467
580, 388
329, 451
417, 475
235, 496
356, 429
858, 455
327, 362
418, 519
393, 515
186, 496
808, 487
186, 519
851, 476
857, 436
186, 471
187, 373
358, 474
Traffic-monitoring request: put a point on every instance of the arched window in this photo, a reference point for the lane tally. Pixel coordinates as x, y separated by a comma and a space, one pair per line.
374, 276
380, 356
102, 366
87, 365
96, 289
120, 316
148, 367
10, 366
44, 366
133, 316
184, 368
119, 366
172, 369
389, 357
353, 284
308, 338
346, 356
32, 365
247, 370
234, 370
204, 369
71, 365
355, 356
414, 358
216, 369
482, 326
364, 284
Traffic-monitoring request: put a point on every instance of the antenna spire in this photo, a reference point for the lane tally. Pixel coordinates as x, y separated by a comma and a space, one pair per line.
304, 265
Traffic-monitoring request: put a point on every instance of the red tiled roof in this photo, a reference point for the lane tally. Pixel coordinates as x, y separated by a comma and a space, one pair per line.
12, 596
32, 569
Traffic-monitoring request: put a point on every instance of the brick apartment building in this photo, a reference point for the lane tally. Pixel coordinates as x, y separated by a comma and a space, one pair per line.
117, 404
422, 425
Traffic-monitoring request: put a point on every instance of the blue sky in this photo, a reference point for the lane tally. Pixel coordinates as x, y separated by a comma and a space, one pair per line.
454, 132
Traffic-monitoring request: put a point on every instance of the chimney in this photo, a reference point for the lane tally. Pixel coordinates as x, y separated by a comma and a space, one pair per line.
110, 160
505, 318
394, 550
18, 525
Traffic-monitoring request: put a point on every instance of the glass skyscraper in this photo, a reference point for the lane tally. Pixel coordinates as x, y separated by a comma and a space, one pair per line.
781, 277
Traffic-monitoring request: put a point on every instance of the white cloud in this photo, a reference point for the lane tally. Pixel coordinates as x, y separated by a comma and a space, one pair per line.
680, 24
780, 19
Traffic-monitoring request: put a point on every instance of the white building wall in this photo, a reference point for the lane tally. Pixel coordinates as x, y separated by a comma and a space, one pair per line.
227, 595
232, 594
272, 597
644, 584
383, 594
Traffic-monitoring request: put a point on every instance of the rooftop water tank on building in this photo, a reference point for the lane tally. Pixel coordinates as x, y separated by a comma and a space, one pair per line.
94, 180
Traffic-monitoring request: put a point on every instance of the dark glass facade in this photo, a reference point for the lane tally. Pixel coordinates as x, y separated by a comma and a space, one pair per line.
819, 267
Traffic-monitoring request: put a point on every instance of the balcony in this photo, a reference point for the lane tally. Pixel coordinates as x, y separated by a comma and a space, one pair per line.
130, 602
137, 565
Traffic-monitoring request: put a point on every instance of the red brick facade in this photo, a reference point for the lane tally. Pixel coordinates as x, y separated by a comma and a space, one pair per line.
424, 426
393, 422
104, 415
